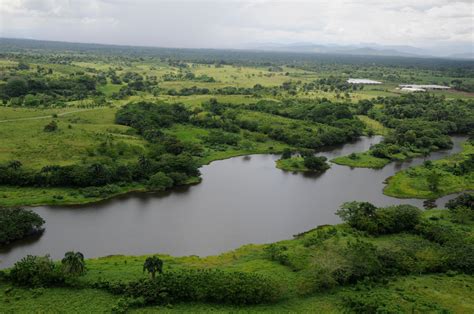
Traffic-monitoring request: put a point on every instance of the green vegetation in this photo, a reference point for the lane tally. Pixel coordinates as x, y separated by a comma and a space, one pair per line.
304, 163
292, 164
366, 217
82, 123
462, 208
434, 179
73, 264
418, 125
18, 223
373, 126
411, 260
361, 160
153, 265
64, 114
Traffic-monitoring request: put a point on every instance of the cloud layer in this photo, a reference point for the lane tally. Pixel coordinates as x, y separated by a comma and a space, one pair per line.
439, 24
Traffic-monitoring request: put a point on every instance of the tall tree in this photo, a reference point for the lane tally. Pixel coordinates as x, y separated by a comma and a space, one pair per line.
73, 263
152, 265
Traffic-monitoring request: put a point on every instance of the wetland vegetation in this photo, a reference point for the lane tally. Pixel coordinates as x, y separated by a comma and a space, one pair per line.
83, 123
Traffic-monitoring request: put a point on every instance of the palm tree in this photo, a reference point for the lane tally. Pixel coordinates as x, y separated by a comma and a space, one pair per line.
152, 265
73, 263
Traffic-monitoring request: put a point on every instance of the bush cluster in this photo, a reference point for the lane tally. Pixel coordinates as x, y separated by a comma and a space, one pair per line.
36, 271
17, 223
366, 217
203, 285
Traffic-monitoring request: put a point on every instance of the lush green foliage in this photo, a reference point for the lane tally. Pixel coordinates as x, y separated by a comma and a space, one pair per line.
307, 163
418, 123
462, 208
36, 271
178, 109
434, 179
73, 263
205, 285
366, 217
18, 223
153, 265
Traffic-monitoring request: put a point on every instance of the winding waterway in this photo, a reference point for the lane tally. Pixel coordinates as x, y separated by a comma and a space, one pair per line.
240, 200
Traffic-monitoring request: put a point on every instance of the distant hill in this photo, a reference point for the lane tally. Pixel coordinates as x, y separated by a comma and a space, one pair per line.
369, 49
264, 54
350, 50
467, 55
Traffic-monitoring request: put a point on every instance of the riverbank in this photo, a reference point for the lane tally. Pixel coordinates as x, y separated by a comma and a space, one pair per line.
295, 164
290, 263
11, 196
361, 160
417, 182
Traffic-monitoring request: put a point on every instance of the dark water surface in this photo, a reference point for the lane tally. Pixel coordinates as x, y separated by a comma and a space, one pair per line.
240, 200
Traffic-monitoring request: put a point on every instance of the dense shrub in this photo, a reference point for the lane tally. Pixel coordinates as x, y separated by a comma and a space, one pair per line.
35, 271
460, 255
277, 253
463, 200
100, 174
159, 182
316, 279
394, 219
377, 299
366, 217
144, 116
51, 127
316, 163
458, 250
371, 302
18, 223
43, 91
319, 236
222, 138
201, 286
437, 231
362, 262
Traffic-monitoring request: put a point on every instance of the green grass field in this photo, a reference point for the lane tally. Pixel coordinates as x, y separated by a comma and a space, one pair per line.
79, 134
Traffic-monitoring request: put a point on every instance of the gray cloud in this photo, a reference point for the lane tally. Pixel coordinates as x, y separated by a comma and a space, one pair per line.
234, 24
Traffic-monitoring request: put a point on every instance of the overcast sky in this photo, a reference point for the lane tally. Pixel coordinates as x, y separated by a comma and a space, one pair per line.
443, 24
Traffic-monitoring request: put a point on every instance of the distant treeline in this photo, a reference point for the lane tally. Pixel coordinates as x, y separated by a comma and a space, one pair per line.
81, 52
420, 123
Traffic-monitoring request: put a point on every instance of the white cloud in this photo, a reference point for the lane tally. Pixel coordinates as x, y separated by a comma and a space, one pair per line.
232, 24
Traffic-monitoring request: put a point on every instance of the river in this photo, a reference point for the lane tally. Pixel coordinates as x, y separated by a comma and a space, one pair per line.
240, 200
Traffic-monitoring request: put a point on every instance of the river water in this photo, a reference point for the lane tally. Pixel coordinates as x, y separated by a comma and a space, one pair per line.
240, 200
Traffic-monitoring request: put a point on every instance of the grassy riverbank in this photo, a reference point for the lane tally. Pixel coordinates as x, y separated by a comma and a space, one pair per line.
367, 160
292, 164
82, 136
361, 160
290, 263
416, 182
